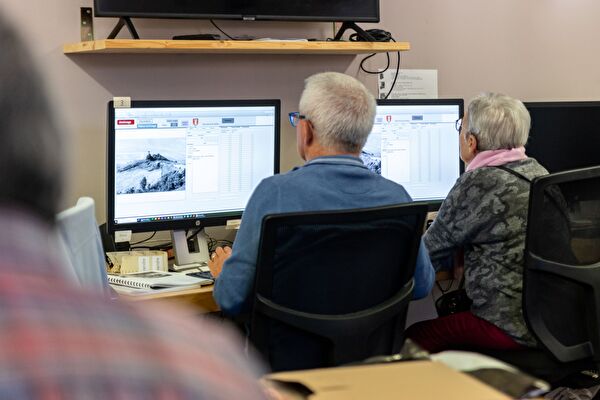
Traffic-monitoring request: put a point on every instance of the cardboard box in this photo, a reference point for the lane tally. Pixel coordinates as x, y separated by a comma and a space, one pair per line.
401, 380
128, 262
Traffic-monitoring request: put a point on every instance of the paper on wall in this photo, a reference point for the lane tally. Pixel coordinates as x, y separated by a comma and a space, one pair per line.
410, 84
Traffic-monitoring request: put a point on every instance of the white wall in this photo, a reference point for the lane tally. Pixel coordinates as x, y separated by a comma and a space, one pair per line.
537, 49
534, 50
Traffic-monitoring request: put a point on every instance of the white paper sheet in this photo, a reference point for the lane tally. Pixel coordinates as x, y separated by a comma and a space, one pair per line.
411, 84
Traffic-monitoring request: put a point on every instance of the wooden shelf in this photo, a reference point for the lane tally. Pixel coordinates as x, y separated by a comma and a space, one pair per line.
130, 46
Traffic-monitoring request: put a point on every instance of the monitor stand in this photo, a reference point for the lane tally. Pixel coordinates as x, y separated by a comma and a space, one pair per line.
361, 33
123, 21
183, 256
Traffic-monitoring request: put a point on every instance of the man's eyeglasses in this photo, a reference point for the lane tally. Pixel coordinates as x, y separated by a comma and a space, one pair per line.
458, 125
295, 118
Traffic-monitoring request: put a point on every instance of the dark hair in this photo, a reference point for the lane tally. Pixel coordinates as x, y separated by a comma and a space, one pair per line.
31, 162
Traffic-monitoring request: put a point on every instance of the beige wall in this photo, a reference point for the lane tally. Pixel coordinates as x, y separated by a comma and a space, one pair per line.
536, 49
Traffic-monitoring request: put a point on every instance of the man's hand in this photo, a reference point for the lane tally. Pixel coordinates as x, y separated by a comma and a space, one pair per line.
217, 259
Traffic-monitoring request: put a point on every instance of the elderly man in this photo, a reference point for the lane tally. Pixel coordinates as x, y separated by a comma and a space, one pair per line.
336, 116
484, 217
58, 341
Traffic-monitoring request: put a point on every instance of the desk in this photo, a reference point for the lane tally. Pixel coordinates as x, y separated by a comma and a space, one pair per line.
196, 298
202, 297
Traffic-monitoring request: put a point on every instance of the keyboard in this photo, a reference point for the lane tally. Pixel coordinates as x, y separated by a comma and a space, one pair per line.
201, 274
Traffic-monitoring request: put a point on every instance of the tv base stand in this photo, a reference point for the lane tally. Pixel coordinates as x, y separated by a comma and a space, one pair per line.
124, 21
361, 33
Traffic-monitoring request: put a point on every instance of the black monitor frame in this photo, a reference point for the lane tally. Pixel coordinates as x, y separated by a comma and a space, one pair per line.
210, 220
575, 148
433, 205
243, 11
235, 13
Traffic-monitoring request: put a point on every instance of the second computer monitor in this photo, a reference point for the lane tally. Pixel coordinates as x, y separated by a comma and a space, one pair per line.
564, 135
415, 143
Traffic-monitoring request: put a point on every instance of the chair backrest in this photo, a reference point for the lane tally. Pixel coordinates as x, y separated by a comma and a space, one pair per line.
561, 287
79, 232
333, 287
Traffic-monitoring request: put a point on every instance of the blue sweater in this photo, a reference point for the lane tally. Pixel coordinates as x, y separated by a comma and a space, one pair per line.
324, 183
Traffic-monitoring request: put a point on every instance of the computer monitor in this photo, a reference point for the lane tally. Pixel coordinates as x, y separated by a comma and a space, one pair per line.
415, 143
564, 135
175, 165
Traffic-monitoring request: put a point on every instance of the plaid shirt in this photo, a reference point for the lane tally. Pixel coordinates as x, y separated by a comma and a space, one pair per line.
58, 342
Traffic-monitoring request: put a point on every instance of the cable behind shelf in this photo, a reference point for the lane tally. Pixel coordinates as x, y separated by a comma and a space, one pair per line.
380, 36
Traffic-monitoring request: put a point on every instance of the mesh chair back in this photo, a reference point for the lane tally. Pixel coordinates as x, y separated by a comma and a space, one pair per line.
562, 275
333, 287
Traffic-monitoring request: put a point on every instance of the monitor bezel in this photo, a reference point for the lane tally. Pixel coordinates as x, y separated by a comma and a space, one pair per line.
533, 106
433, 205
561, 103
216, 219
99, 12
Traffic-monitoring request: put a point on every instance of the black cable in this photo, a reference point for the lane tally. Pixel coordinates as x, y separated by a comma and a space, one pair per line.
188, 237
395, 76
222, 243
387, 66
220, 30
145, 240
447, 289
374, 72
214, 243
380, 36
163, 246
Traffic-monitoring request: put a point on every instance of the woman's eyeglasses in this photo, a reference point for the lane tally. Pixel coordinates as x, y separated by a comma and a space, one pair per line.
458, 125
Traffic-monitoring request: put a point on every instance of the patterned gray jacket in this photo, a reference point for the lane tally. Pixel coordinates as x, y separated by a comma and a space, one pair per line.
486, 214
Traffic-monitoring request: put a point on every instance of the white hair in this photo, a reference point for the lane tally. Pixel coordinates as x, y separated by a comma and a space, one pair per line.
341, 110
498, 121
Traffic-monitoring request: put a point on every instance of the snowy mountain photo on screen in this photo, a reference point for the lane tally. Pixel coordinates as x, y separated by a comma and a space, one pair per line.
150, 165
372, 161
371, 152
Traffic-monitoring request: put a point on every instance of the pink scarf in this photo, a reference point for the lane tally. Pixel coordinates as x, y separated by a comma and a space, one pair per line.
493, 158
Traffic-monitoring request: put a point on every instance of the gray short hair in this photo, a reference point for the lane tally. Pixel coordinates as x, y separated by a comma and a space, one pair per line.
341, 110
498, 121
31, 166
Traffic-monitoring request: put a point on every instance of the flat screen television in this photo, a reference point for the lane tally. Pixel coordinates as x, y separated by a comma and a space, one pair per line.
564, 135
175, 165
281, 10
415, 143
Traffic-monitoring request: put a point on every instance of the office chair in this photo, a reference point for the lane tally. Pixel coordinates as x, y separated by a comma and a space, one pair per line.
333, 287
83, 247
561, 286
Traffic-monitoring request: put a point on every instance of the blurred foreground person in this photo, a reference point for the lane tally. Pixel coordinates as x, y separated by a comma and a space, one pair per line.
57, 341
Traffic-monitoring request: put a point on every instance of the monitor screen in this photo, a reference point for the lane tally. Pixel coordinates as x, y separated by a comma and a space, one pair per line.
415, 143
182, 164
307, 10
564, 135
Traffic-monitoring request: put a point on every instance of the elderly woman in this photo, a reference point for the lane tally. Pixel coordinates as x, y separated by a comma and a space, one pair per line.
484, 218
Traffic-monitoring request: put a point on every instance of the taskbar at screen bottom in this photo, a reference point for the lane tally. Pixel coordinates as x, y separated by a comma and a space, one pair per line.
146, 224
